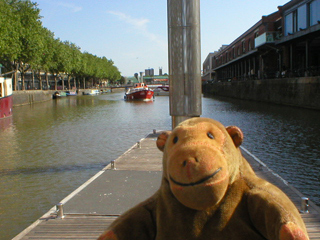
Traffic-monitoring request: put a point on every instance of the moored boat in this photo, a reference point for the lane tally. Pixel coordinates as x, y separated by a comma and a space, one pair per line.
92, 92
71, 93
59, 94
5, 97
139, 92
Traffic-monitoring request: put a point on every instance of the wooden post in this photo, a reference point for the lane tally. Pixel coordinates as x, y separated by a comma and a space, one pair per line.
184, 59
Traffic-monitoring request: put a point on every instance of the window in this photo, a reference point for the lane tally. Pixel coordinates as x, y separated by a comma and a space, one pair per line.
314, 12
295, 21
243, 46
302, 17
249, 45
288, 24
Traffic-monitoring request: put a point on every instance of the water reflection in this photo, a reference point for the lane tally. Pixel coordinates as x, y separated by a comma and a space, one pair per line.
282, 137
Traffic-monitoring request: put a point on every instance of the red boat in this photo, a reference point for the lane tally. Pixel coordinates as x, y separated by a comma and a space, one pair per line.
139, 92
5, 97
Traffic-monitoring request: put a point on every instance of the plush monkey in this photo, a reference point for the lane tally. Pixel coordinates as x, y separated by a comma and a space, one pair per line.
210, 192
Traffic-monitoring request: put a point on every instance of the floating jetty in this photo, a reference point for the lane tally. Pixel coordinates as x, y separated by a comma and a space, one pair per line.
125, 182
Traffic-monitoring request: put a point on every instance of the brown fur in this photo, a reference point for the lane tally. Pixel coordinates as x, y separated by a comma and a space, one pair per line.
209, 191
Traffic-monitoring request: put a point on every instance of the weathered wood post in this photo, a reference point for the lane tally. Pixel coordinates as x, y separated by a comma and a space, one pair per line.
184, 59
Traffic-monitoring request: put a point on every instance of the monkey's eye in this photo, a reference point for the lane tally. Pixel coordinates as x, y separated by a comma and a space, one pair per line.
175, 140
210, 135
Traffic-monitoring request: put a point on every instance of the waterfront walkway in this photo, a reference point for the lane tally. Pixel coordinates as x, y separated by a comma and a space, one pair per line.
90, 209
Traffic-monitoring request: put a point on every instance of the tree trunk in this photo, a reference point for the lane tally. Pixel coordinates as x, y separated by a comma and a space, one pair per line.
16, 87
47, 80
69, 86
40, 80
55, 83
75, 83
22, 79
32, 74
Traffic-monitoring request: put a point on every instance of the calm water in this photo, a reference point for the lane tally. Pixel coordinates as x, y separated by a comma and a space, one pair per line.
49, 149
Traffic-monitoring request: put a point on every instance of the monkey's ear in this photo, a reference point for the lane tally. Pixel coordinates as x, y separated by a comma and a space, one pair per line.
236, 135
161, 140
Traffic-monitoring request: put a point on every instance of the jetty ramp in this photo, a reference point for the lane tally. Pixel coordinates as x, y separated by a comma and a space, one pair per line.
125, 182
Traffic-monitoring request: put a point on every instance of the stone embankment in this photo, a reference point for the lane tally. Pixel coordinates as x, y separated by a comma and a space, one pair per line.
30, 97
33, 96
300, 92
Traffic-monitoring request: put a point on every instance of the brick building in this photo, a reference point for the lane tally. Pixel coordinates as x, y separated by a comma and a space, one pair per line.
282, 44
300, 42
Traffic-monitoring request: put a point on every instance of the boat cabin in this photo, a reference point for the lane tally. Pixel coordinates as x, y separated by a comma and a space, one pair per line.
139, 85
5, 87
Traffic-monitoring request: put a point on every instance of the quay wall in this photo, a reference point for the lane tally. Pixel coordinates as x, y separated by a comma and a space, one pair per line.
20, 98
33, 96
300, 92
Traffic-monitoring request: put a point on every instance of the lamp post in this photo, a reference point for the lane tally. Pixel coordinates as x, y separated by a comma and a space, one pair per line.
184, 59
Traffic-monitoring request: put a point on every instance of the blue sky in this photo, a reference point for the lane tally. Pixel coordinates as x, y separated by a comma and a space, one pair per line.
133, 33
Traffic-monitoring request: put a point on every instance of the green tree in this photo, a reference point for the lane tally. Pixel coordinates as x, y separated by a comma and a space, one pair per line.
72, 60
9, 29
56, 65
26, 45
48, 53
30, 38
46, 58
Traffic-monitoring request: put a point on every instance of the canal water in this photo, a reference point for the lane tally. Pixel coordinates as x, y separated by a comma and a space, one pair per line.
49, 149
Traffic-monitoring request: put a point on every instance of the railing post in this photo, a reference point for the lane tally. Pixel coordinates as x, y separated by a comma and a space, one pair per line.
60, 213
113, 165
304, 205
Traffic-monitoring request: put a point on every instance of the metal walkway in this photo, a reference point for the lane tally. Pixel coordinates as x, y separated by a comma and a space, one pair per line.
90, 209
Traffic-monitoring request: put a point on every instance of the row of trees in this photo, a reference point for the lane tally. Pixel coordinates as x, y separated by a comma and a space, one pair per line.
25, 45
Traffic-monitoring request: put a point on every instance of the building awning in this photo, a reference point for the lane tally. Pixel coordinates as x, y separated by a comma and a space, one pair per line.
237, 59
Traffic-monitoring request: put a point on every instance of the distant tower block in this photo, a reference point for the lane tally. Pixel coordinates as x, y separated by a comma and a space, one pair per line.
160, 71
149, 72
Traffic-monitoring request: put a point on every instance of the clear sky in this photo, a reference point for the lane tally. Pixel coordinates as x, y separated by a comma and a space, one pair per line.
133, 33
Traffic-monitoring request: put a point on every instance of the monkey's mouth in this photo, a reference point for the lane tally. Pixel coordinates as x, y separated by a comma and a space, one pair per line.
197, 182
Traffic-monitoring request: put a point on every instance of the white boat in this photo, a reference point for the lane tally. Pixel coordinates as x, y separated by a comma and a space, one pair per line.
92, 92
